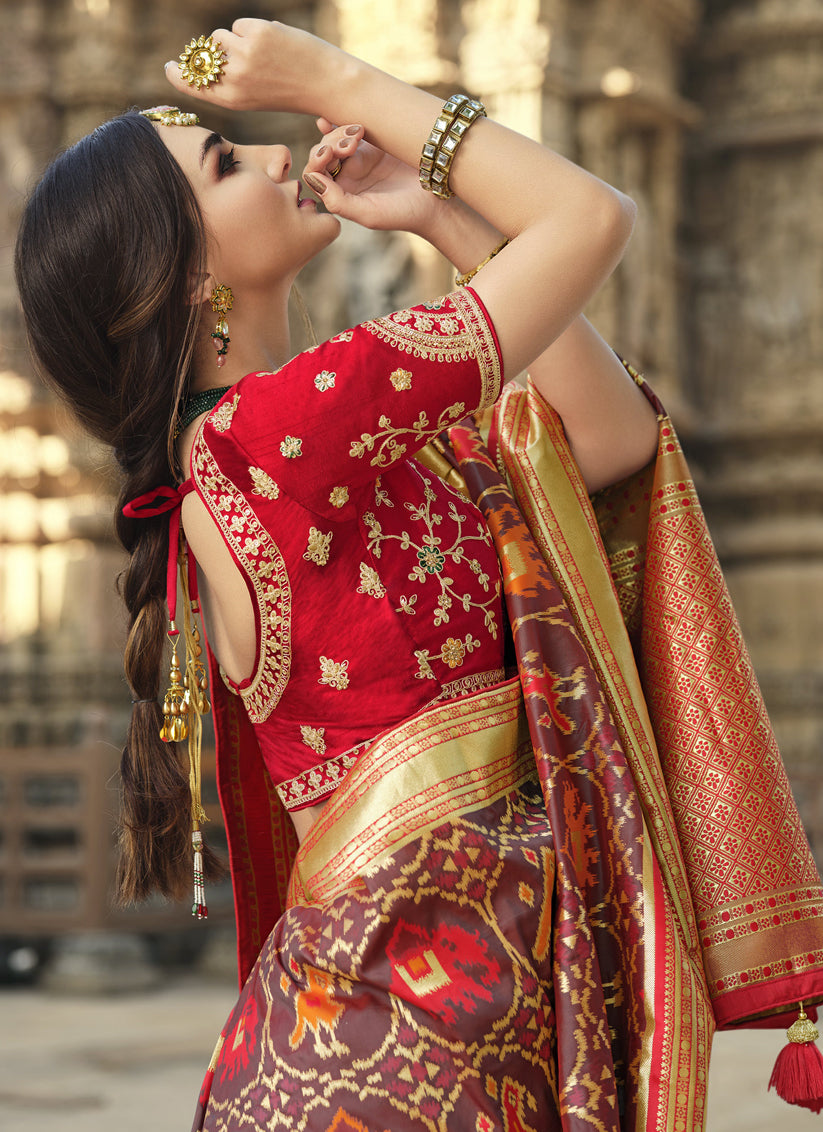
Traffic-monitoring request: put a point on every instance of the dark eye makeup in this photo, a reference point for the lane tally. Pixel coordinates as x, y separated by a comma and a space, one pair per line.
226, 162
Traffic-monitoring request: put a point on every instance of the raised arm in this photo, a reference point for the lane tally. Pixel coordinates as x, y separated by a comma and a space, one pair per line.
568, 229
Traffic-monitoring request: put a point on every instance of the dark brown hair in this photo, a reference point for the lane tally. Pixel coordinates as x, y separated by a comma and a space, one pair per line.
107, 247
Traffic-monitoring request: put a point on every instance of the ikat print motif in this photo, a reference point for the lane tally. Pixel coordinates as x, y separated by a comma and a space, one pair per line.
416, 947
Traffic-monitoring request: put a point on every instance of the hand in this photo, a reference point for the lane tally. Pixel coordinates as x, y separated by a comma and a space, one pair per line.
269, 66
372, 188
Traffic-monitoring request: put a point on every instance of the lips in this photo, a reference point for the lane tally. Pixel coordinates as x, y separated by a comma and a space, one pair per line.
304, 200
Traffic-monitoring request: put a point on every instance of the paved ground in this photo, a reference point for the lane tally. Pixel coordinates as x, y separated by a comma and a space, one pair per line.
134, 1063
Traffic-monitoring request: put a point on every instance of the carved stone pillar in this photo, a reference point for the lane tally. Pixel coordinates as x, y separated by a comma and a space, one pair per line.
755, 364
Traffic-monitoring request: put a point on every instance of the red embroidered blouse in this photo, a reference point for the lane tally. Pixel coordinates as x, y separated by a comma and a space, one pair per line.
375, 586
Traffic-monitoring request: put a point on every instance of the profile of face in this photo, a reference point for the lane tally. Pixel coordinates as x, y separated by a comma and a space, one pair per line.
262, 227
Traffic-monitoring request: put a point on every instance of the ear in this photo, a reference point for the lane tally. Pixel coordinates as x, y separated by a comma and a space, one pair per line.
201, 285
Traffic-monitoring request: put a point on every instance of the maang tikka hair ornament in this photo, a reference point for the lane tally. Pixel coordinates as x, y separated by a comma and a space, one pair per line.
222, 301
170, 116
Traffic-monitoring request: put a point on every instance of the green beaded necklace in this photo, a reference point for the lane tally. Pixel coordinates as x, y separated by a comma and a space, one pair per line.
197, 403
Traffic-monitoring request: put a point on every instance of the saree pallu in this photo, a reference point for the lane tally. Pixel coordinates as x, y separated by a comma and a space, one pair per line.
660, 785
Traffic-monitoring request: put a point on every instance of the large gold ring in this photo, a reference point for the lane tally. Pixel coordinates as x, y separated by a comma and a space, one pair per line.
333, 172
202, 61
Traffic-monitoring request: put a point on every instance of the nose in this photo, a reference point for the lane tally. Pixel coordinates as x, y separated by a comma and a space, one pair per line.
278, 161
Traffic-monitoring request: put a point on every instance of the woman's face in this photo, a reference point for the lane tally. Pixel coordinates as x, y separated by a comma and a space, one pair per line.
260, 230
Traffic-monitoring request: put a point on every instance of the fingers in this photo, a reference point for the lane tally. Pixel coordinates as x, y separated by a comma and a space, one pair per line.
338, 144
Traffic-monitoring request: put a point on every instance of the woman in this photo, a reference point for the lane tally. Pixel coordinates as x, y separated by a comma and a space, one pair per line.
488, 923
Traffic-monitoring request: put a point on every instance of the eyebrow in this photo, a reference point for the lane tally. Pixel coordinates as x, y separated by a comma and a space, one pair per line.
210, 142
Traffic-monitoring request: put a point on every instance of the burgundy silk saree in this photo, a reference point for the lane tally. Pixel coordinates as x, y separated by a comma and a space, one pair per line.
529, 907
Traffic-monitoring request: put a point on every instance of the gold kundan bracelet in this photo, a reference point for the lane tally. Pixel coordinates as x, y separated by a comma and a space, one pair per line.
462, 280
458, 113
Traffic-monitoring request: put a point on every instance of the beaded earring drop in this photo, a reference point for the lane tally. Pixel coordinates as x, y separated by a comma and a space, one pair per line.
222, 301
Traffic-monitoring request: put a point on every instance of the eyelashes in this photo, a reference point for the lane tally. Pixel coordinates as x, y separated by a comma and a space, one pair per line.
226, 162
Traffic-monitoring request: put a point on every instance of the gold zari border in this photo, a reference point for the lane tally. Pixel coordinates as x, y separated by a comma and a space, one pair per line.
445, 761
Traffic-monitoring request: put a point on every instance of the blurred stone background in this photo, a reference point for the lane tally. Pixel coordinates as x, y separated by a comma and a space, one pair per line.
708, 114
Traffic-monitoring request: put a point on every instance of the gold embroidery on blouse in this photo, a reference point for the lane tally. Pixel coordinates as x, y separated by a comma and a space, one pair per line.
453, 653
314, 738
401, 379
370, 582
389, 448
290, 447
339, 496
433, 559
325, 380
381, 496
264, 566
221, 417
334, 673
263, 484
454, 328
407, 604
317, 549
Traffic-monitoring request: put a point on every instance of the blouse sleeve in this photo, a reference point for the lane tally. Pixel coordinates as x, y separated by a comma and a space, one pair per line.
336, 416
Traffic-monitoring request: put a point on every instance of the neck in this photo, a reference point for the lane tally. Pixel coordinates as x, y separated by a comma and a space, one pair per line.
260, 340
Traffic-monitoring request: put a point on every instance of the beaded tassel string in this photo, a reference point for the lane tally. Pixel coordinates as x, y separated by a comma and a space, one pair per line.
186, 701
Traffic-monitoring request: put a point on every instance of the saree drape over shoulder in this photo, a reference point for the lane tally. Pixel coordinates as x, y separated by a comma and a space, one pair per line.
528, 905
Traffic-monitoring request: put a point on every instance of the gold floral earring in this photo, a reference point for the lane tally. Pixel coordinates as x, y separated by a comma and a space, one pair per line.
222, 301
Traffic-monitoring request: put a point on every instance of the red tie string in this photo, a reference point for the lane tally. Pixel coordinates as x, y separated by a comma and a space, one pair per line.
156, 502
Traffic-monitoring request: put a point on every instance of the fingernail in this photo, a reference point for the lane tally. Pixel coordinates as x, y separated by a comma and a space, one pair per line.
169, 64
345, 143
320, 151
352, 130
314, 183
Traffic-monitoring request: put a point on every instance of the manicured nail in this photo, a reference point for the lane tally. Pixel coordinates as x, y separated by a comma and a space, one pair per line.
352, 130
314, 183
169, 64
320, 151
345, 143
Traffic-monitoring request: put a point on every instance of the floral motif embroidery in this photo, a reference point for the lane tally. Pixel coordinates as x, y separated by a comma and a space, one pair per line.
263, 484
314, 738
370, 582
317, 549
431, 559
339, 496
381, 496
220, 418
452, 653
334, 673
401, 379
290, 447
325, 380
434, 559
390, 449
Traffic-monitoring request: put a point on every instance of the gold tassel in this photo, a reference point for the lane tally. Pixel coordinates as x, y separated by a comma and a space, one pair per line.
184, 705
174, 728
196, 686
